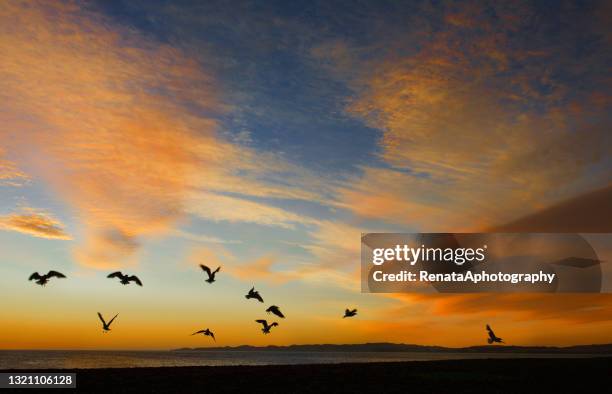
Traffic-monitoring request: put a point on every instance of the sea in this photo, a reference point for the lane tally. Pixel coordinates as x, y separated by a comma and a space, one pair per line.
61, 359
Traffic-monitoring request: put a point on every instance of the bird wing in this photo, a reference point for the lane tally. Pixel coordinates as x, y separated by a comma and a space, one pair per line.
35, 275
274, 324
258, 297
252, 291
217, 270
354, 311
274, 309
134, 278
111, 321
101, 318
117, 274
261, 321
56, 274
198, 332
212, 334
491, 333
206, 269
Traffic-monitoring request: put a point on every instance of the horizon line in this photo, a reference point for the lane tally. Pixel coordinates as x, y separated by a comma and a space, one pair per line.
230, 347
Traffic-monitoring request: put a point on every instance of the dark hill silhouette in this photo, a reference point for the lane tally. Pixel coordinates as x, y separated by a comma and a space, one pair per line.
400, 347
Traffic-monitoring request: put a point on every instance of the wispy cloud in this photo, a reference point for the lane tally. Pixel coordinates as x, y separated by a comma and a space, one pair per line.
34, 223
217, 207
259, 269
262, 269
124, 130
203, 238
476, 123
10, 175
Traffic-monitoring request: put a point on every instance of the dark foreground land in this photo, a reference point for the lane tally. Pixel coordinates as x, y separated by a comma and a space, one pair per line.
456, 376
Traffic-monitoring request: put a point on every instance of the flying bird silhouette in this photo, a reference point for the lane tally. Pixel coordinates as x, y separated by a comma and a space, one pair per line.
254, 294
206, 332
211, 274
125, 279
492, 338
266, 327
349, 313
274, 309
105, 325
43, 279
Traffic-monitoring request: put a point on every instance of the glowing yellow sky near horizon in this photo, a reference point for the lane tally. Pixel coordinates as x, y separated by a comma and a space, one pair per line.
118, 132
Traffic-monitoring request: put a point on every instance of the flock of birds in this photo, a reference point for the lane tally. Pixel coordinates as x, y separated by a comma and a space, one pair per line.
251, 295
127, 279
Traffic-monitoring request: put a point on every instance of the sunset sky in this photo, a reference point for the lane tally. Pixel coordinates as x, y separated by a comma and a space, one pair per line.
151, 136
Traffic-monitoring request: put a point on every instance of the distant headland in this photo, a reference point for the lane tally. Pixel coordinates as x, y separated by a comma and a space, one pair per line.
603, 349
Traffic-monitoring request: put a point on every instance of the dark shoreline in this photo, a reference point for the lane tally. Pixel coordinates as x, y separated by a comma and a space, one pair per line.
457, 376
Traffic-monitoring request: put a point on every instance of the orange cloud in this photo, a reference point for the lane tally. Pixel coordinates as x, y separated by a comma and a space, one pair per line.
10, 175
573, 308
262, 269
109, 145
123, 129
36, 224
461, 137
276, 270
402, 198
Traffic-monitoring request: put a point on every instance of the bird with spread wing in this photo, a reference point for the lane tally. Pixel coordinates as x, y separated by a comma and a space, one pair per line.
254, 294
492, 337
206, 332
125, 279
349, 313
105, 325
266, 327
211, 274
275, 310
43, 279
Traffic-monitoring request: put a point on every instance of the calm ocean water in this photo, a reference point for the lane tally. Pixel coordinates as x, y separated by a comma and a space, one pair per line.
26, 359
